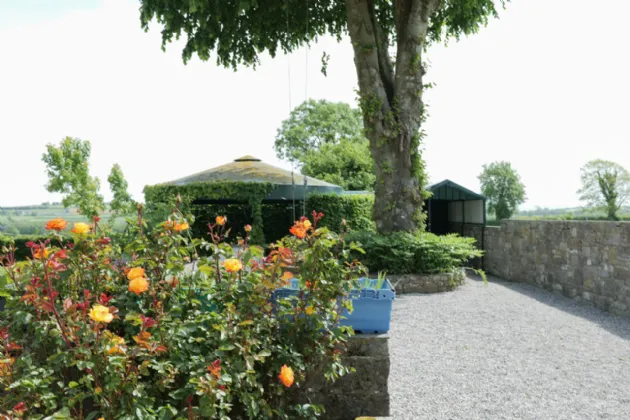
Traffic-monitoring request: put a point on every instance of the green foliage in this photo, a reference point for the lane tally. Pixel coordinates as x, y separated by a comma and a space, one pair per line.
605, 186
167, 342
313, 124
353, 211
347, 163
122, 203
68, 173
250, 193
238, 32
403, 252
502, 186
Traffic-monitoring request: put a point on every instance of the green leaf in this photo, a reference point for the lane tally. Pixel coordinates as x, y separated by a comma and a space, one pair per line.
73, 384
227, 347
246, 322
64, 413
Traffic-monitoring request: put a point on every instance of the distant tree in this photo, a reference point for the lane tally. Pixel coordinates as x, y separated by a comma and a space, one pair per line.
502, 186
326, 140
315, 123
68, 173
347, 163
605, 186
122, 203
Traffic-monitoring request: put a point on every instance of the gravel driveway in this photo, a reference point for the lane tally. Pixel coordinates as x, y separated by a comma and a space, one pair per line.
507, 351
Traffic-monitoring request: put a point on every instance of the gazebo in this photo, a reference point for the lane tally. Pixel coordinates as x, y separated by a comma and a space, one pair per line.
245, 181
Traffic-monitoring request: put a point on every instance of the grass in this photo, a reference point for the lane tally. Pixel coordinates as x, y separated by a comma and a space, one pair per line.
30, 220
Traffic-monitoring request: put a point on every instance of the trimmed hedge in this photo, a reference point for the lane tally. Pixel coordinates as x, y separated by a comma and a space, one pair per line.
21, 250
355, 209
403, 253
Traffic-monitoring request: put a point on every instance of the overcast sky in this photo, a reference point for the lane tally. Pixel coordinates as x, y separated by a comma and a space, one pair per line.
546, 87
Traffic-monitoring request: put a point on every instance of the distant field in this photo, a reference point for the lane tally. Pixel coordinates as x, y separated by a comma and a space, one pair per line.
30, 220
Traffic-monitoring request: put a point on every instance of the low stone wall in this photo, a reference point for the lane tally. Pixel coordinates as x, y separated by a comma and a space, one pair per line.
427, 283
362, 393
584, 259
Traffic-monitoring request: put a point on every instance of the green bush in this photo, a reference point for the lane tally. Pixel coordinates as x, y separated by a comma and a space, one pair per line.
356, 210
402, 252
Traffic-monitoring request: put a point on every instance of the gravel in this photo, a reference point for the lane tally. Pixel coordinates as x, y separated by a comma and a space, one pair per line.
507, 351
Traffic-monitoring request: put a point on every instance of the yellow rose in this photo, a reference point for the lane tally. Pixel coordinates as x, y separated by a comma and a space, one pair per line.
135, 273
80, 228
232, 265
309, 310
139, 285
100, 313
41, 253
220, 220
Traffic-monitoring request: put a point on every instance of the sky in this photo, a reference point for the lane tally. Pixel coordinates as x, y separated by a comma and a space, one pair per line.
544, 87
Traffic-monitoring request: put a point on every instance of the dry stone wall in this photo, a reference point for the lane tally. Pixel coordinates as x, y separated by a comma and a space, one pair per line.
580, 259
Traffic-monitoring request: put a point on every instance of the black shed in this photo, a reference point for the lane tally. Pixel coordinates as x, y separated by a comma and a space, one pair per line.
455, 209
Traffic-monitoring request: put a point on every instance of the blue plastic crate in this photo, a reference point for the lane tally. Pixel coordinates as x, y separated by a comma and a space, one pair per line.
372, 307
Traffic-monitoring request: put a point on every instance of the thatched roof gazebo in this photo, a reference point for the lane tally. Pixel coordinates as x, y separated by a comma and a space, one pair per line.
246, 180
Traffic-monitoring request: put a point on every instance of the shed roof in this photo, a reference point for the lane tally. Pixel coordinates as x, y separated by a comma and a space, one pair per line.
449, 190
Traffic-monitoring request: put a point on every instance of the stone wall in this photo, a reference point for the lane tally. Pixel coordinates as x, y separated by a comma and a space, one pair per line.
427, 283
362, 393
583, 259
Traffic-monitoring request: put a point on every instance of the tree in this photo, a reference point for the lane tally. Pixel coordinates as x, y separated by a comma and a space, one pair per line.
326, 140
389, 40
605, 185
68, 173
502, 186
122, 203
315, 123
346, 163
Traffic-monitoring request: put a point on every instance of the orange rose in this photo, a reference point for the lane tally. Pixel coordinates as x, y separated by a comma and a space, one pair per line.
221, 220
181, 226
135, 273
80, 228
300, 229
232, 265
286, 376
57, 224
139, 285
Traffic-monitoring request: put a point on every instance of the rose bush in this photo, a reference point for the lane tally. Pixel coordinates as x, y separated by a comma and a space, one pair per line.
92, 330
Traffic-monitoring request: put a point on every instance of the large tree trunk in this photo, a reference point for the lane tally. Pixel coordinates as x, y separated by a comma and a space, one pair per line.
392, 106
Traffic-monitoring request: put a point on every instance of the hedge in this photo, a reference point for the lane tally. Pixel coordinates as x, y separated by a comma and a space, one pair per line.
21, 250
402, 252
356, 210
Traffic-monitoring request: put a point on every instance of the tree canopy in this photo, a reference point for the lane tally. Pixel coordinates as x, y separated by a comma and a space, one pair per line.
315, 123
121, 203
346, 163
326, 140
68, 173
389, 39
605, 186
502, 186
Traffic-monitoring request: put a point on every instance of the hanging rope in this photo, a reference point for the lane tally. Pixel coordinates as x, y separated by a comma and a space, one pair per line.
288, 55
306, 59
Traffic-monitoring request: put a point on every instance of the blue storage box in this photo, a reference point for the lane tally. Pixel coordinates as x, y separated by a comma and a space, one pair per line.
372, 307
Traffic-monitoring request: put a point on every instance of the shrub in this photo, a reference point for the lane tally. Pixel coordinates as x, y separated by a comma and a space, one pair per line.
402, 252
89, 333
356, 210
